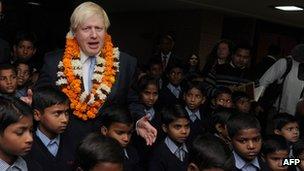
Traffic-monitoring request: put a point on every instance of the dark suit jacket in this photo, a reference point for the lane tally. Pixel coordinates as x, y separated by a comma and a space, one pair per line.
121, 92
4, 52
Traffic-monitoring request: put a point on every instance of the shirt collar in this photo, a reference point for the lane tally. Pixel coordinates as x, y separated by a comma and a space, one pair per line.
172, 87
196, 113
83, 57
272, 57
168, 55
173, 147
126, 153
19, 163
45, 140
150, 112
240, 163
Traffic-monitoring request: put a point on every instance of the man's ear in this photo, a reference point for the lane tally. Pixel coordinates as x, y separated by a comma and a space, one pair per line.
276, 131
37, 115
164, 127
103, 130
192, 167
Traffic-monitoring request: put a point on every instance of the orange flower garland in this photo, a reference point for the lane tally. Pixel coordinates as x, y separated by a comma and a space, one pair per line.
86, 105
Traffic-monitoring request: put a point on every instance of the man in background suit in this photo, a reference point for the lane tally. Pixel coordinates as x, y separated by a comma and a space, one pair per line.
89, 24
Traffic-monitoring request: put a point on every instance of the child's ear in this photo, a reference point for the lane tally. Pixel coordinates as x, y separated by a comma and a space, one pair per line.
276, 131
164, 127
37, 115
103, 130
192, 167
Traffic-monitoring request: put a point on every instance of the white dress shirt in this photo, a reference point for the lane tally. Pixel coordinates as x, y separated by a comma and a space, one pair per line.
85, 61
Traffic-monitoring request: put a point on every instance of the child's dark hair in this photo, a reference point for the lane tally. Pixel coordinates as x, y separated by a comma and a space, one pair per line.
195, 84
44, 97
237, 95
220, 116
144, 81
7, 66
282, 119
174, 65
153, 62
12, 110
222, 90
240, 122
242, 45
119, 114
209, 151
96, 148
25, 36
298, 148
274, 143
173, 112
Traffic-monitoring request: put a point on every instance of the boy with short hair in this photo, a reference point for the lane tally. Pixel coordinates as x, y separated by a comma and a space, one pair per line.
287, 126
117, 123
24, 73
99, 153
172, 153
209, 153
223, 98
298, 153
52, 148
244, 132
172, 92
8, 80
195, 97
241, 102
16, 124
274, 150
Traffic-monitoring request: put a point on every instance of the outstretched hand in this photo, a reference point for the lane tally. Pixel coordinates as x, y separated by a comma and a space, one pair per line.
146, 130
29, 98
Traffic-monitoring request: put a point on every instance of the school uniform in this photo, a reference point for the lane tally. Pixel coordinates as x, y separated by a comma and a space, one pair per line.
56, 154
198, 123
169, 95
167, 156
254, 165
131, 160
18, 165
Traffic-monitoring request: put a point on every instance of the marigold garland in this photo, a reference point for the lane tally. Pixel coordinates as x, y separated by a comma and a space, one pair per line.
85, 105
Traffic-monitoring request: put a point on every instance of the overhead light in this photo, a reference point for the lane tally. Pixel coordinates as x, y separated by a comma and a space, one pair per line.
289, 8
33, 3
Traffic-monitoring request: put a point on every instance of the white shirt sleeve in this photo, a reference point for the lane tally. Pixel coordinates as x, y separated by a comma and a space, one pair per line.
275, 72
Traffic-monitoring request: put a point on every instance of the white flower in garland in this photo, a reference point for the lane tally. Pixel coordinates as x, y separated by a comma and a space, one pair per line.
61, 81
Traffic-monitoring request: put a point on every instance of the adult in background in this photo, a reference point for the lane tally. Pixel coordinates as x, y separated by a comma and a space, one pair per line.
93, 73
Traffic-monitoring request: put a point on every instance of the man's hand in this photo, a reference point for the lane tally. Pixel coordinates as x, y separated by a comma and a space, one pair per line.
29, 98
146, 130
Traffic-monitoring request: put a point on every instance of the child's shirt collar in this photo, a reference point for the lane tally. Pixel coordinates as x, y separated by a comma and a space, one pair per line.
174, 148
150, 112
174, 90
126, 153
48, 143
243, 165
193, 115
19, 164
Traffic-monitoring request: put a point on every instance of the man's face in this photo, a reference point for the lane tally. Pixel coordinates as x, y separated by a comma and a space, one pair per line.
247, 143
223, 51
24, 50
8, 81
90, 35
241, 58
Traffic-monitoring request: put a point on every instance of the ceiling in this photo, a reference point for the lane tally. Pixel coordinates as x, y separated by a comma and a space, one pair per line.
260, 9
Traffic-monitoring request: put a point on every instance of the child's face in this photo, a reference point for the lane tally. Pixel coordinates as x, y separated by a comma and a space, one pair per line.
301, 157
53, 120
274, 160
156, 71
25, 49
108, 166
247, 143
290, 132
8, 81
243, 105
178, 130
149, 95
193, 60
17, 138
224, 100
23, 74
194, 98
120, 131
176, 76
